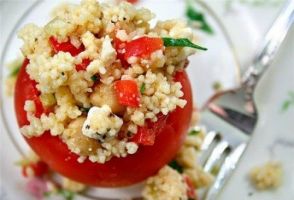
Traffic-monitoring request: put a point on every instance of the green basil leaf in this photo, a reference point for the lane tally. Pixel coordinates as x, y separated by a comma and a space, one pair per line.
176, 166
197, 16
181, 42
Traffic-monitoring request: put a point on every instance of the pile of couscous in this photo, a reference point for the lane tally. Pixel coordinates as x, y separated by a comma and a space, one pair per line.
266, 176
182, 177
101, 72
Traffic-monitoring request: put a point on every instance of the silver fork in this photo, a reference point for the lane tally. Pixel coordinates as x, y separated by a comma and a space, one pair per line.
236, 108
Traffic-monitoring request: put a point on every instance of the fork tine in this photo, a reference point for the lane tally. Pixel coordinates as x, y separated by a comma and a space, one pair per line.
222, 149
211, 140
225, 171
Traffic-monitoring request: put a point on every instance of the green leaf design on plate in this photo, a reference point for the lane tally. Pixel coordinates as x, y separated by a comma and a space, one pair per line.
217, 86
288, 102
197, 16
68, 195
14, 66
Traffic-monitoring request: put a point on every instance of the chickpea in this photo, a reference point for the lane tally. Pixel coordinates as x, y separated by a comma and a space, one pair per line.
76, 141
105, 95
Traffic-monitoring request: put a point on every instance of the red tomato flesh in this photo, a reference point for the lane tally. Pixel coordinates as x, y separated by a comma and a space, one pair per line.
118, 171
127, 92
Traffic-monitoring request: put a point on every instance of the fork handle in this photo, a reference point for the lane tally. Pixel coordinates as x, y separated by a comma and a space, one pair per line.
271, 44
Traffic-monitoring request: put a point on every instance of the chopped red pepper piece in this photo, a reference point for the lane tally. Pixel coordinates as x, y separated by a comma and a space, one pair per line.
146, 134
39, 169
83, 66
142, 47
127, 92
120, 51
65, 47
190, 190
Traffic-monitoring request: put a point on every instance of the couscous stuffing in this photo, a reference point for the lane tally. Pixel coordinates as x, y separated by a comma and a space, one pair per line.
102, 72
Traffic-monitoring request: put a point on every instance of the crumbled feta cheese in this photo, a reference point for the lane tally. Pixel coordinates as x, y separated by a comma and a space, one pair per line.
131, 147
101, 123
108, 53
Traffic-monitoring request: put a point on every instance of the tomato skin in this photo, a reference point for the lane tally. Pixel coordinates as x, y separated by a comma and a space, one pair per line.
39, 169
132, 1
118, 171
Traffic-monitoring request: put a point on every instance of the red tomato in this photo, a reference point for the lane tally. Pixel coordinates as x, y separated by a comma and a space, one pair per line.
127, 92
142, 47
34, 93
39, 169
118, 171
83, 66
132, 1
65, 47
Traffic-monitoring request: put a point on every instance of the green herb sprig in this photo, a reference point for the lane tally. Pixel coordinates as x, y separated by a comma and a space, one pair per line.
181, 42
194, 132
84, 110
94, 78
176, 166
142, 88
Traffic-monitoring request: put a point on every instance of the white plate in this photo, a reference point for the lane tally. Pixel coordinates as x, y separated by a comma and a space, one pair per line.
217, 64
